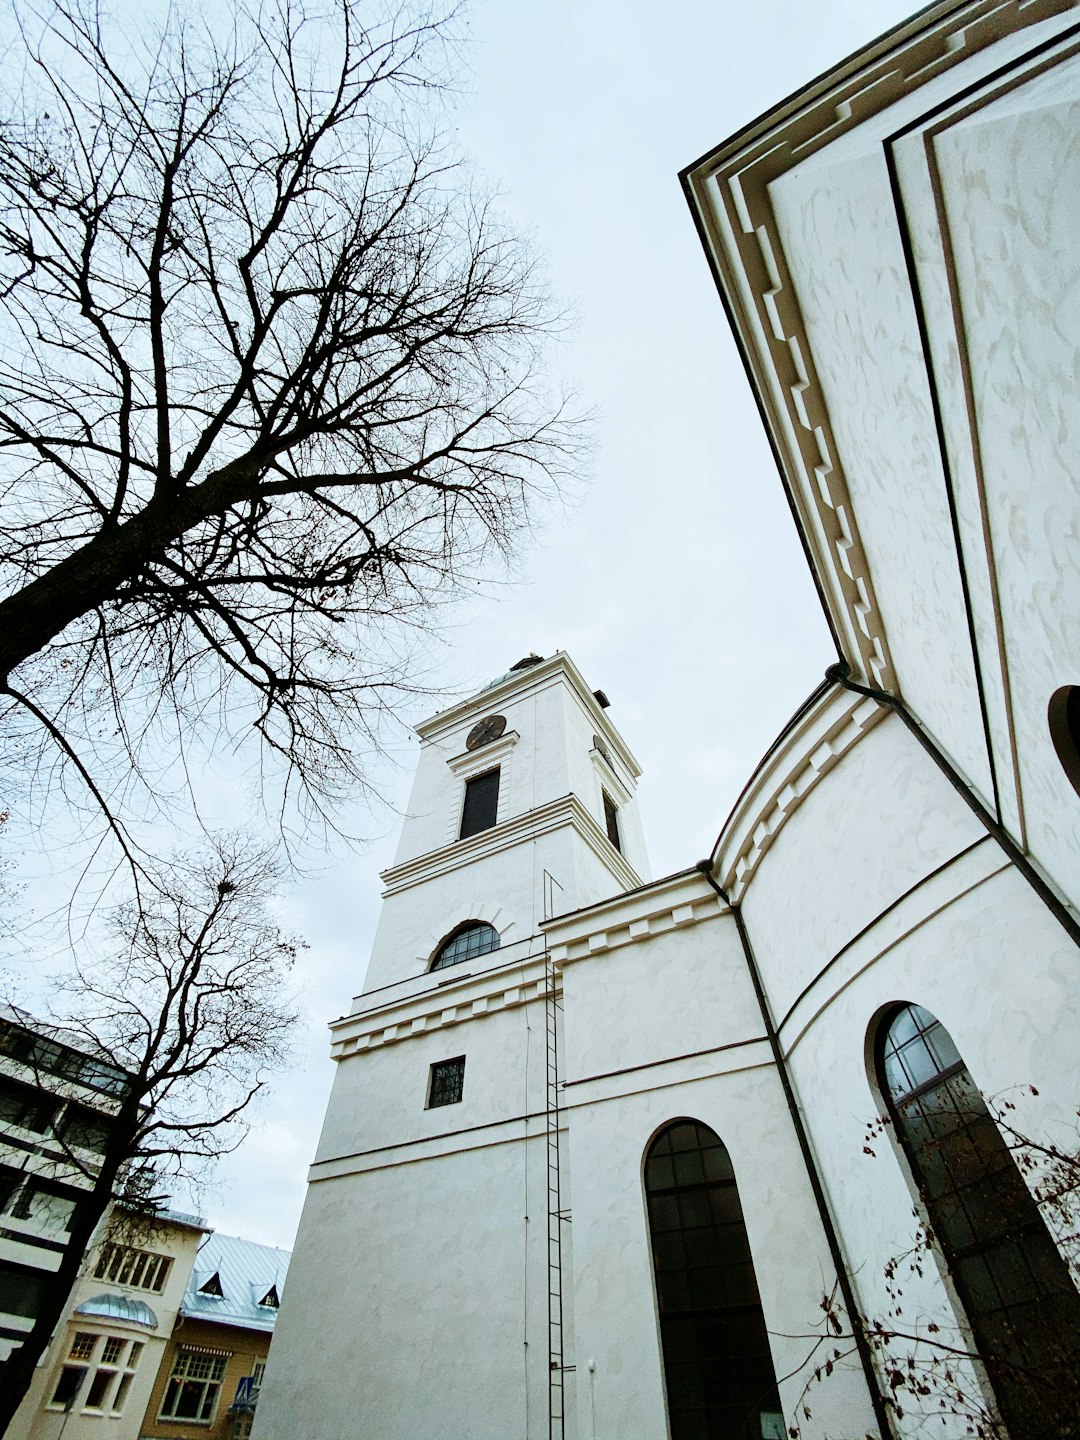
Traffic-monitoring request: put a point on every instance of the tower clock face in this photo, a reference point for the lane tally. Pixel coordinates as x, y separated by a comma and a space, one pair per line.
484, 731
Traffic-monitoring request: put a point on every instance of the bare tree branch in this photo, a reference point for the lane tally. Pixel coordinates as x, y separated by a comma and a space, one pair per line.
192, 1007
271, 379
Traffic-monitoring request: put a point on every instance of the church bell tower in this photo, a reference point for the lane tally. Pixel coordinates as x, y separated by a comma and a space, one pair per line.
429, 1287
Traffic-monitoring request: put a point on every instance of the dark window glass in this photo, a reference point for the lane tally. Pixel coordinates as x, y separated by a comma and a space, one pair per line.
481, 807
1022, 1307
1063, 716
717, 1364
54, 1059
95, 1396
68, 1385
20, 1290
83, 1128
23, 1106
10, 1180
466, 943
611, 821
447, 1082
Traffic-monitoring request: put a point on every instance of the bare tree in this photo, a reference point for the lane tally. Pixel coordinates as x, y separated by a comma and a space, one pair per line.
271, 380
191, 1005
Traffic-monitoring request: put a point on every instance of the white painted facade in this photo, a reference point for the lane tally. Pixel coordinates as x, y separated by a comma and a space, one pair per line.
111, 1342
896, 250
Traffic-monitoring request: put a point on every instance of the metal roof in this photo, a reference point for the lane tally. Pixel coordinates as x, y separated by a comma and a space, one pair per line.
246, 1273
119, 1307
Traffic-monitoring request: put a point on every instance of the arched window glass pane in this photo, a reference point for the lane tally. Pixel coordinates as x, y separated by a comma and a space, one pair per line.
466, 943
1021, 1304
717, 1365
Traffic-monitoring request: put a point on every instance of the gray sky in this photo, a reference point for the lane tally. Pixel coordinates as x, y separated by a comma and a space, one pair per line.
676, 580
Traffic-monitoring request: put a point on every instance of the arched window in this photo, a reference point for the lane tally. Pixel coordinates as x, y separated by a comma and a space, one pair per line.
1022, 1307
718, 1369
466, 943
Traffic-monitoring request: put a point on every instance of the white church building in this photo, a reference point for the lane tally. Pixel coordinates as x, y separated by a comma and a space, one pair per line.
596, 1165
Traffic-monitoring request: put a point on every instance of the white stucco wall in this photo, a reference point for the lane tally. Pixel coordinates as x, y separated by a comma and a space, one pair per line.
879, 823
664, 1026
410, 1303
986, 193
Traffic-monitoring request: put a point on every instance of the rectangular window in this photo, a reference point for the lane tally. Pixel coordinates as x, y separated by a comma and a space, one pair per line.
481, 807
446, 1083
121, 1392
82, 1346
68, 1385
21, 1290
82, 1128
611, 821
193, 1387
23, 1106
95, 1396
142, 1269
113, 1349
46, 1206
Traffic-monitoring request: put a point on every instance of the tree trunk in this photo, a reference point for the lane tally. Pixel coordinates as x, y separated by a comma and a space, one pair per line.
94, 573
17, 1371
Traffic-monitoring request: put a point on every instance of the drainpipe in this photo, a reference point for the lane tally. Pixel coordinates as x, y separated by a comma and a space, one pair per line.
877, 1400
841, 674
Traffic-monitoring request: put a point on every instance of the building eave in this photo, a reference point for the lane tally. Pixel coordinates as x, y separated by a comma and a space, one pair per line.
728, 191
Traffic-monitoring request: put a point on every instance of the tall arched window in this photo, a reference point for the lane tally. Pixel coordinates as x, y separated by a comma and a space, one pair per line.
1022, 1307
718, 1369
466, 943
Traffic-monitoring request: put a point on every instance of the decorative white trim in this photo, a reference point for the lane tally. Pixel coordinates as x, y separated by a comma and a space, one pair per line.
519, 684
823, 735
729, 192
671, 904
475, 762
466, 997
567, 810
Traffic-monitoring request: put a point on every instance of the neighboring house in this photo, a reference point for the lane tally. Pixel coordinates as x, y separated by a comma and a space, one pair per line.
595, 1162
56, 1101
96, 1377
209, 1378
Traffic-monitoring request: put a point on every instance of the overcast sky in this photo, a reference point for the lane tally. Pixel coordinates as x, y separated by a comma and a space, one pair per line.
676, 581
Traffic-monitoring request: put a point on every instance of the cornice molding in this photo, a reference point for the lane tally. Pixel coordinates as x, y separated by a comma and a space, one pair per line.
728, 191
566, 811
822, 736
470, 997
475, 762
674, 903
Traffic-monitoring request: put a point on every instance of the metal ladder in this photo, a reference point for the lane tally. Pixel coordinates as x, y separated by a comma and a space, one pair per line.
556, 1216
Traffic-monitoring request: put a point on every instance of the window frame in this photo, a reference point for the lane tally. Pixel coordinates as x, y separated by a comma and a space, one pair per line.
117, 1264
111, 1362
466, 927
179, 1379
611, 821
471, 783
706, 1288
431, 1102
999, 1215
